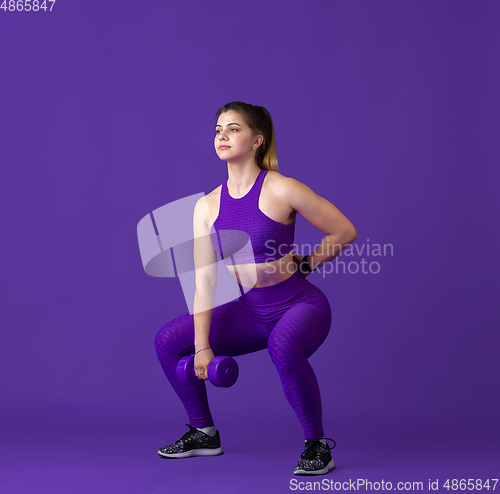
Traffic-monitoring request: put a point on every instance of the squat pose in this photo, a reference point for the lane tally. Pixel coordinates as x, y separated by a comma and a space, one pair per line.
281, 310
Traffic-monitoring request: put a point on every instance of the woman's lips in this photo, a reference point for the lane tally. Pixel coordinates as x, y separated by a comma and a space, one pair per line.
224, 147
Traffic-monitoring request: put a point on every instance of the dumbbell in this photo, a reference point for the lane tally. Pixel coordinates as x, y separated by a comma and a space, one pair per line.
222, 371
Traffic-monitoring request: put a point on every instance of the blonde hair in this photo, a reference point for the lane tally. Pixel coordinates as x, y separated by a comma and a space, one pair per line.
261, 123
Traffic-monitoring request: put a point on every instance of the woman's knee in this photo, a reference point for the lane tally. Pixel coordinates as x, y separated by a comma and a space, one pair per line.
162, 338
175, 335
283, 350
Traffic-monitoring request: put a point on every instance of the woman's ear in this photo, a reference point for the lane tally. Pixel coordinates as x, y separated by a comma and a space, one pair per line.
258, 141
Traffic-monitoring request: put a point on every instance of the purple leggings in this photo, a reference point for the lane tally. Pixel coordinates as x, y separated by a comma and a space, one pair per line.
291, 319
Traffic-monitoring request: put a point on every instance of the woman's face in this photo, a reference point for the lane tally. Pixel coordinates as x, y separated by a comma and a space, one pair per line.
233, 137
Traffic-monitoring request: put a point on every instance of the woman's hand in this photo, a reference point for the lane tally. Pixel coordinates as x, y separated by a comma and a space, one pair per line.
201, 361
297, 260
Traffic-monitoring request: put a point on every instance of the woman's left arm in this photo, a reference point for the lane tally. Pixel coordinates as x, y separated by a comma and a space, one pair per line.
322, 214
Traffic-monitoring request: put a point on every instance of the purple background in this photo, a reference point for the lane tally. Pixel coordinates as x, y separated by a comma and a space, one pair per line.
388, 109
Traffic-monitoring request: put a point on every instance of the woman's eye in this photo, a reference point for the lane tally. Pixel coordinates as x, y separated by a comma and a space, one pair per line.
218, 131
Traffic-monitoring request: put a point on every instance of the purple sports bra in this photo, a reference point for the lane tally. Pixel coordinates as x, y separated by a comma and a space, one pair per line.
244, 234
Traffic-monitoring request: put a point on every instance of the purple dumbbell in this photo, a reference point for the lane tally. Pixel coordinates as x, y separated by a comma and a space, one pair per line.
222, 371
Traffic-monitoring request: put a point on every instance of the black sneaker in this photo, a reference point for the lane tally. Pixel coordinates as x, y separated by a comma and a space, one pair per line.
193, 443
316, 458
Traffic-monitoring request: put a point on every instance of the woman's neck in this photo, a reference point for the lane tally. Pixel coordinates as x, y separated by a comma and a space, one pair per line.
240, 180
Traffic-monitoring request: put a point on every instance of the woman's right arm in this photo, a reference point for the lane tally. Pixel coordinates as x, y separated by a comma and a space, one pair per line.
205, 260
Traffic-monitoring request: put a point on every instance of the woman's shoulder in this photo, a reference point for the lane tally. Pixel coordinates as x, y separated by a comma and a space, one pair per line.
280, 184
214, 195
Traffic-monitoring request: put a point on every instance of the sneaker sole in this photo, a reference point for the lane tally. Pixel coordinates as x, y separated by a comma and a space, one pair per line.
193, 452
316, 472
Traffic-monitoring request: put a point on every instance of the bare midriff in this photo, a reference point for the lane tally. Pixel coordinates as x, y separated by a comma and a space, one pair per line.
265, 273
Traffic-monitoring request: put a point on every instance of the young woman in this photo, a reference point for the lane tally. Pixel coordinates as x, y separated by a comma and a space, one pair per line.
280, 310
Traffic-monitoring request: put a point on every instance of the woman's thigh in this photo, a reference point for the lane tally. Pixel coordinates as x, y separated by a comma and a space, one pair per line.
300, 331
304, 326
232, 332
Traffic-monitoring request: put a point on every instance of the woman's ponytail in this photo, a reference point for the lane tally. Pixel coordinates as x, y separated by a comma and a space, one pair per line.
267, 154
